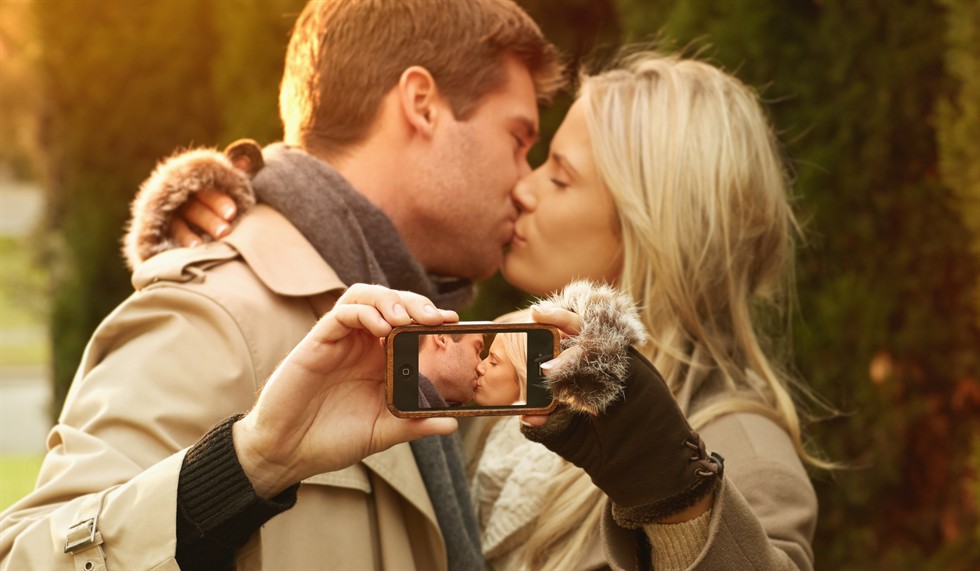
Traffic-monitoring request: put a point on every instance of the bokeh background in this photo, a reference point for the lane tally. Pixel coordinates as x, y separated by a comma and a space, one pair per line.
877, 103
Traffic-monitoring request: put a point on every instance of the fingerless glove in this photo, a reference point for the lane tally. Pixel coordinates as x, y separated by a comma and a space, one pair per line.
618, 420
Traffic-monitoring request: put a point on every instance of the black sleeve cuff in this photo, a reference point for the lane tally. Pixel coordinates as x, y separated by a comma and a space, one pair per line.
217, 509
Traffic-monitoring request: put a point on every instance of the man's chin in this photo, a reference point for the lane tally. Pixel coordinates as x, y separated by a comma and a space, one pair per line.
468, 269
485, 271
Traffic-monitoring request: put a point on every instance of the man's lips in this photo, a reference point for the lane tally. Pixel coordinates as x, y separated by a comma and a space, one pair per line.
512, 226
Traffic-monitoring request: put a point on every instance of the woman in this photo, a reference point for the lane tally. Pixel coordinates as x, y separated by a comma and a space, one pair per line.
503, 374
664, 180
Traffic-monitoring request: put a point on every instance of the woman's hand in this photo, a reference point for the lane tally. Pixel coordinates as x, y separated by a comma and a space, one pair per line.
207, 210
212, 210
616, 418
190, 198
569, 324
324, 407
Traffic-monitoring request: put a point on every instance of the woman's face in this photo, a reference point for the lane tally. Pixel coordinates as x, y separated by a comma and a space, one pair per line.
497, 383
567, 228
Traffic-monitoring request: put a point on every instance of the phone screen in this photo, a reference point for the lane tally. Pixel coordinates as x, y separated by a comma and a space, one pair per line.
471, 369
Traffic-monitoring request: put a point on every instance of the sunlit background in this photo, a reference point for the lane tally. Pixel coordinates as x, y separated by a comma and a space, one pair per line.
877, 102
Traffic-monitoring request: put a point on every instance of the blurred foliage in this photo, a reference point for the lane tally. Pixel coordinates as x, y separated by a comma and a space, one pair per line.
17, 476
18, 88
959, 115
20, 281
22, 311
252, 37
876, 101
124, 84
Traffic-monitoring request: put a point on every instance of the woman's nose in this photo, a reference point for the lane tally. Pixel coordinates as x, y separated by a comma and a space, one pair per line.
481, 369
524, 193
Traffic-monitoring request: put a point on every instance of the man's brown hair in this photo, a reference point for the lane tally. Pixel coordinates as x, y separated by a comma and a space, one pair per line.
345, 55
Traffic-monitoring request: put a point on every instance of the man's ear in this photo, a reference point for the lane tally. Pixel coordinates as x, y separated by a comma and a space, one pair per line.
440, 340
420, 98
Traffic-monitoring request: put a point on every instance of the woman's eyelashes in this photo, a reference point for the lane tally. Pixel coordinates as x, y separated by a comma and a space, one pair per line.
559, 183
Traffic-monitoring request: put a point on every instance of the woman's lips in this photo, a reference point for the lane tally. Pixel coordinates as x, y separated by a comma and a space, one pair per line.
518, 238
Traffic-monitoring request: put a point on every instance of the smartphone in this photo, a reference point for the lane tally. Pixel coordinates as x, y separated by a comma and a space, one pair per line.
469, 369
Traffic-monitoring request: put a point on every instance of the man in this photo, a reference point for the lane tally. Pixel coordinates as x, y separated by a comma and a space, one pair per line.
448, 369
407, 124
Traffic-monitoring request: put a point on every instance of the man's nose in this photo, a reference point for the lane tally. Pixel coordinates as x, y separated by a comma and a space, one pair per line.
524, 168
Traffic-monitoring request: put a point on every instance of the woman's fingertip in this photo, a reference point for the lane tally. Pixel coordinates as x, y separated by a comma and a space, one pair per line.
549, 365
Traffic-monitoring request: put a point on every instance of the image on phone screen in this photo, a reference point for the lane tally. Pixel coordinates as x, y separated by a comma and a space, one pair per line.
470, 370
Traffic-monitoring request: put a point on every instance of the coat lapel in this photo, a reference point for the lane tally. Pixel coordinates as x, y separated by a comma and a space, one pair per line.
397, 467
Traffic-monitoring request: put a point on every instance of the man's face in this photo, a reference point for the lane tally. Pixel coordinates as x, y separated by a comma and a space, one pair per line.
458, 373
465, 215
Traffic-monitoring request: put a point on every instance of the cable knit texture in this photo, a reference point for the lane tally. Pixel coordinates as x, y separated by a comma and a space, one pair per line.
594, 379
508, 489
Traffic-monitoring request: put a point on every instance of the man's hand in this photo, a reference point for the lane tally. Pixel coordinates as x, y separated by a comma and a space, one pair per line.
324, 407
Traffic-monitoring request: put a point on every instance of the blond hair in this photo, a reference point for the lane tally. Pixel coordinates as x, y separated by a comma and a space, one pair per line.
515, 350
701, 192
345, 55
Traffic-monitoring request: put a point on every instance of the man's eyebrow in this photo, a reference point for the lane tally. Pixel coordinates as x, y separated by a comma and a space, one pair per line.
563, 163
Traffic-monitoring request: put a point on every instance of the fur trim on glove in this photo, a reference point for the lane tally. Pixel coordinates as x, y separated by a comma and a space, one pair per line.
594, 378
170, 186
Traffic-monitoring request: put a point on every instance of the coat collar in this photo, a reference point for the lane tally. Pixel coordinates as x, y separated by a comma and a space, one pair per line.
282, 259
280, 256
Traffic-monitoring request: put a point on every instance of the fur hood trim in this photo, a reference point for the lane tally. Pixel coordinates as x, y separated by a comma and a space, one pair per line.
594, 377
170, 186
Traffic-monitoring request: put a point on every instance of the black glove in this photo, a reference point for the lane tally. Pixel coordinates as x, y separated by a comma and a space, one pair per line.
641, 452
636, 444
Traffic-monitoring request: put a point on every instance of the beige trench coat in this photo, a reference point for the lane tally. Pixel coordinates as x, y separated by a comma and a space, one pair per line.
191, 347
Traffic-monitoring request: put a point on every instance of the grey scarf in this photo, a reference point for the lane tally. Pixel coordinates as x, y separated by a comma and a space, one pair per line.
361, 244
